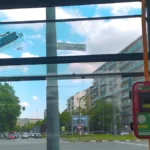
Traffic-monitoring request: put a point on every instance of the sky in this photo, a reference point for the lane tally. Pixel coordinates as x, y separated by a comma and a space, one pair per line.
100, 37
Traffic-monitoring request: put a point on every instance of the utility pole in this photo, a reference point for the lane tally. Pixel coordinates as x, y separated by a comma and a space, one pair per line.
80, 115
52, 85
114, 116
103, 120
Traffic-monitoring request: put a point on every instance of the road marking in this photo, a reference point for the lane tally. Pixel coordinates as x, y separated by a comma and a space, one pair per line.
136, 144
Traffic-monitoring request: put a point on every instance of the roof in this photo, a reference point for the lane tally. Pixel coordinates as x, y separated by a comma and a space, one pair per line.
12, 4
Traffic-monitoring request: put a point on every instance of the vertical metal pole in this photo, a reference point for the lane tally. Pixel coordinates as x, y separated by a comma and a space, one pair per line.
103, 120
72, 122
114, 116
79, 117
148, 30
52, 85
145, 45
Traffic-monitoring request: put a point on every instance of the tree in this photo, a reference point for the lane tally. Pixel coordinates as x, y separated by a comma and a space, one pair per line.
9, 108
65, 120
101, 116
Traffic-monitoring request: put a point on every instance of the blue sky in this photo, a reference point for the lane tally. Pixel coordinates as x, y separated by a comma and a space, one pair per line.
33, 94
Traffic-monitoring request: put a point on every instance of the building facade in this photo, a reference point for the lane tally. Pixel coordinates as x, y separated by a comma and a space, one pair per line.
75, 101
88, 98
24, 121
116, 89
45, 113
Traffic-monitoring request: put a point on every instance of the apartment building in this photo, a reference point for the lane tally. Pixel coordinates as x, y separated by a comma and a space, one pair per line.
117, 89
75, 101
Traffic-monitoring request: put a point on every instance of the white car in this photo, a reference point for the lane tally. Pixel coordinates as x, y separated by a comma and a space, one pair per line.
124, 133
25, 136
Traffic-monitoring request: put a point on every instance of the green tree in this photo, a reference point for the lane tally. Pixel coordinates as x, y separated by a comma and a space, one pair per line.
38, 123
65, 120
101, 116
9, 108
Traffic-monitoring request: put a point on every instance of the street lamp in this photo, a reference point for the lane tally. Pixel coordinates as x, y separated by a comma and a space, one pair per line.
80, 112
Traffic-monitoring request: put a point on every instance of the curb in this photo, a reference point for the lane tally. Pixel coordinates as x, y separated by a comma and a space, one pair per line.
94, 141
112, 141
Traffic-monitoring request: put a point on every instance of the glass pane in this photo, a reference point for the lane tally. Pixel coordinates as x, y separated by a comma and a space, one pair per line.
94, 109
29, 40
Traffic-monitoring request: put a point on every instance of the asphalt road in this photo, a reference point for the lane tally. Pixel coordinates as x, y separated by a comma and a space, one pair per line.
40, 144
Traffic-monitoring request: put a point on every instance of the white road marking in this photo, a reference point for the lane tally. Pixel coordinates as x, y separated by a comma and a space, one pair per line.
136, 144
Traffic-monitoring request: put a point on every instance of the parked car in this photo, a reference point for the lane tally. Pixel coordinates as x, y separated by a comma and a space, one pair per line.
33, 135
25, 135
16, 135
11, 136
38, 135
124, 133
1, 136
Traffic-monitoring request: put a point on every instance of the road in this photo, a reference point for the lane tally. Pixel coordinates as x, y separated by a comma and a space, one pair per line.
40, 144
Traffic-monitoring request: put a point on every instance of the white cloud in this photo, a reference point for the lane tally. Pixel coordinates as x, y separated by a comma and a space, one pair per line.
35, 36
5, 56
35, 98
121, 8
27, 55
105, 37
33, 14
24, 104
82, 67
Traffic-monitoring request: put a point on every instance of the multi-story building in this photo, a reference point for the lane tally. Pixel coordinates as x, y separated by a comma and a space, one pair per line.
70, 104
75, 101
24, 121
88, 98
45, 113
117, 89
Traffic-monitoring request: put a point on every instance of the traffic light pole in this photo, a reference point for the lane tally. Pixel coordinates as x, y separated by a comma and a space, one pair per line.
52, 85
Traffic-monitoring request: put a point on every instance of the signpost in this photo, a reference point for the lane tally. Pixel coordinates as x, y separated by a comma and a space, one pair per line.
71, 46
63, 129
80, 122
141, 109
143, 124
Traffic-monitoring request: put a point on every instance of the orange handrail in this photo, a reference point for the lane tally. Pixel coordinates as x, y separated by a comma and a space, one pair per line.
145, 46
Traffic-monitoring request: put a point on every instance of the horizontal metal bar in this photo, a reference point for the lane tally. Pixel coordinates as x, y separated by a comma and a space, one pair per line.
72, 59
9, 4
71, 76
70, 20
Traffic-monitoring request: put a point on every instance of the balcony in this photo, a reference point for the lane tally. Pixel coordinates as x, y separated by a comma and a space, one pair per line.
125, 113
133, 67
126, 105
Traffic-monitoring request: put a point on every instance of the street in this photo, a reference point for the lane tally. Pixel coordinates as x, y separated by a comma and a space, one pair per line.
40, 144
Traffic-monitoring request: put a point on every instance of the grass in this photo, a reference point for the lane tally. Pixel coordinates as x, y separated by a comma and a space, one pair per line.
97, 137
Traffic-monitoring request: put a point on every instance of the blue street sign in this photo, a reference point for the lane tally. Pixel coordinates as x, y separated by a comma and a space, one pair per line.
9, 38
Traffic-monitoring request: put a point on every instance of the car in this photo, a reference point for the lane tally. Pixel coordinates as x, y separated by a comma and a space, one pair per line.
16, 135
11, 136
38, 135
25, 135
124, 133
33, 135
